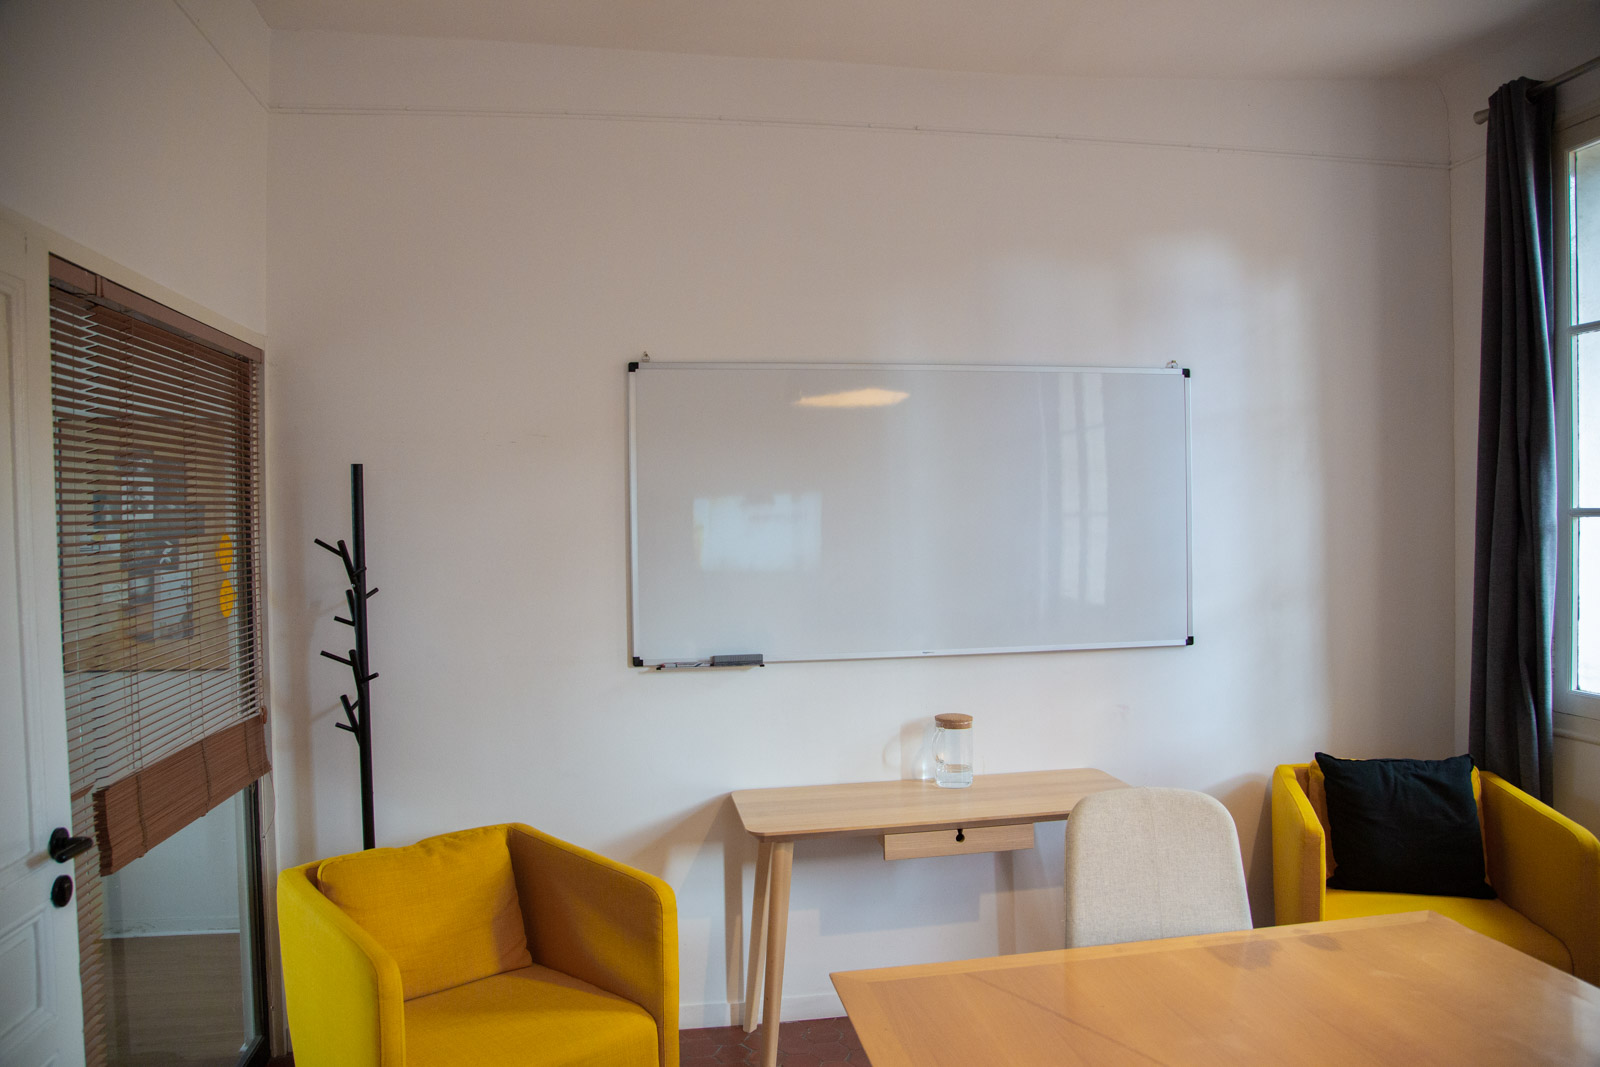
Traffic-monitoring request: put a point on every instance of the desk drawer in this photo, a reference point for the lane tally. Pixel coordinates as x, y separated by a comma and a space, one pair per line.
958, 842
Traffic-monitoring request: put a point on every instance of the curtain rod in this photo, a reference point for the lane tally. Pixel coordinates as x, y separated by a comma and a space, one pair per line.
1480, 117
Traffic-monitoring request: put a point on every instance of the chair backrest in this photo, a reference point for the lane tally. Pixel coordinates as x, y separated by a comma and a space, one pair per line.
1149, 863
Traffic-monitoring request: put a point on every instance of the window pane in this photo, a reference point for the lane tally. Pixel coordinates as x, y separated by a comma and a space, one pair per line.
1586, 641
1586, 230
1586, 461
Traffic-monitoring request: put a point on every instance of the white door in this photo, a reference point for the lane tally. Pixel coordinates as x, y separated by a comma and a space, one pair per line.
41, 1012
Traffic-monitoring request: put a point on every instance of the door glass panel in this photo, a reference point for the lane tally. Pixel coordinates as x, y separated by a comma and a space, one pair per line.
179, 955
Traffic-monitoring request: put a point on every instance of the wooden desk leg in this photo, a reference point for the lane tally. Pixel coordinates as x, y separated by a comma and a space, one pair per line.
778, 933
758, 932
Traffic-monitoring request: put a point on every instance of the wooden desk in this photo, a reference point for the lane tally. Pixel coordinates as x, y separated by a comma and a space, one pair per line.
915, 818
1411, 989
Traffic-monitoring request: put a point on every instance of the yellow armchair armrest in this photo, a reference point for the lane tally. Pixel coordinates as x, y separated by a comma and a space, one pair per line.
1299, 865
346, 1008
602, 921
1545, 866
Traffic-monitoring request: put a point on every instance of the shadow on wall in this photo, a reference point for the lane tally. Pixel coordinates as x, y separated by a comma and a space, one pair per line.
703, 832
1249, 800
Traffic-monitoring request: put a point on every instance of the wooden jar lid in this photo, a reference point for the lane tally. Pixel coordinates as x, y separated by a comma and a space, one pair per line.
954, 720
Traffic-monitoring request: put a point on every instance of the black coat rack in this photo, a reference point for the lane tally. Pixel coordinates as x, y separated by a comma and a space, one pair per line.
357, 712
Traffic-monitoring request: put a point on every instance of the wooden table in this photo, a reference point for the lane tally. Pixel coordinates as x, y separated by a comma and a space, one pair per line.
915, 818
1411, 989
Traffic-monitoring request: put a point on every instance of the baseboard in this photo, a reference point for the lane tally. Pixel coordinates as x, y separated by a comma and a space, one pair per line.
177, 928
200, 926
721, 1013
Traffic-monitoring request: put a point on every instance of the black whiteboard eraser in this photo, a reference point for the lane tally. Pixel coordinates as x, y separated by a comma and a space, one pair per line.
754, 659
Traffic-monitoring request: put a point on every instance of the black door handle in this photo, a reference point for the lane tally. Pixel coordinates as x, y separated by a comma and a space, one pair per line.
63, 846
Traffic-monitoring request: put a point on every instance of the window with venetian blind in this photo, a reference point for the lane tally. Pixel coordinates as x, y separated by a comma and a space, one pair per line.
157, 432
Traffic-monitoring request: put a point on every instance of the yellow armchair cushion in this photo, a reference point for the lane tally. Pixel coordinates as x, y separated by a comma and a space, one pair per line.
570, 1022
445, 909
1489, 917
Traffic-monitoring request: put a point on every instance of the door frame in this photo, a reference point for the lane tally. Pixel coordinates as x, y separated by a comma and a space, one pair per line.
54, 1026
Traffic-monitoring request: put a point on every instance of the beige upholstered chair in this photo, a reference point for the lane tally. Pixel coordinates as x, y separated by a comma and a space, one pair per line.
1149, 863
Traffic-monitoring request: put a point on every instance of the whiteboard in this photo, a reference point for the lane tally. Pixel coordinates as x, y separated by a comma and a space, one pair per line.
837, 511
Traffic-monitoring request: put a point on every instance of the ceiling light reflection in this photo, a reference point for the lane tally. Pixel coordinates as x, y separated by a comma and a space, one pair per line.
854, 398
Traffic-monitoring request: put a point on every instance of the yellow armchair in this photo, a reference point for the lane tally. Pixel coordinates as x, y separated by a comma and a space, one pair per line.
1544, 866
500, 945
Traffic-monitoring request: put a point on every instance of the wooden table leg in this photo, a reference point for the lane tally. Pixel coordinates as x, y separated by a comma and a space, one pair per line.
777, 934
758, 933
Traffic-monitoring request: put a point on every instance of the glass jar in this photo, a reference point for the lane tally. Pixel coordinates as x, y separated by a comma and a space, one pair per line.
952, 750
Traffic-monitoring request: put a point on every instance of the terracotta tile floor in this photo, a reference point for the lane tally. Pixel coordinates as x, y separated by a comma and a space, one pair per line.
808, 1043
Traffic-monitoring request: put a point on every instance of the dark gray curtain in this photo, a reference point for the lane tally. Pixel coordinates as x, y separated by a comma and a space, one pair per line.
1514, 582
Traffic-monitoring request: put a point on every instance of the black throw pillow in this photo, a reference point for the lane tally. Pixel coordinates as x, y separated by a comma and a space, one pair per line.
1404, 826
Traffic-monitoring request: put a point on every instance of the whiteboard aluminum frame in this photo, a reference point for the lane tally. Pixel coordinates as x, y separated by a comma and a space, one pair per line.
633, 510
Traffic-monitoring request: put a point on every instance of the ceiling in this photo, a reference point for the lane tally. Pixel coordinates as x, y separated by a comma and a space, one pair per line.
1116, 38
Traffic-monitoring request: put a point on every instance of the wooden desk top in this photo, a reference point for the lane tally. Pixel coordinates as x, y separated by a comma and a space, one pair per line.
1412, 989
859, 808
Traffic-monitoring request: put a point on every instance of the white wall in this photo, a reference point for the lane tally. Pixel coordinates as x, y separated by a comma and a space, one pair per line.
1565, 37
127, 131
460, 267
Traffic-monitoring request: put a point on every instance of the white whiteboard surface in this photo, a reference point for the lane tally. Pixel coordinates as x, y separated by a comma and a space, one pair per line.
835, 511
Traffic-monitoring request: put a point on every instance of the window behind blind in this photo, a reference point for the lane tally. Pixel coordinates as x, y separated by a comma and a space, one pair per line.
157, 422
157, 483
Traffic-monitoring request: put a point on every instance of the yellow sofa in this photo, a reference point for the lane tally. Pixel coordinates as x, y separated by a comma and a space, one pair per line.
569, 958
1544, 866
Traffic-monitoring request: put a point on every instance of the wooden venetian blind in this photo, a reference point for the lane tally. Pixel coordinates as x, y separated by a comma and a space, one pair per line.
157, 432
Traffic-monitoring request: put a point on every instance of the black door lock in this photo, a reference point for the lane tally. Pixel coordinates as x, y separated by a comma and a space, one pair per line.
63, 846
61, 891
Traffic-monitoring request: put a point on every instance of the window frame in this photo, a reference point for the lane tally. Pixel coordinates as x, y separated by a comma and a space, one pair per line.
1577, 713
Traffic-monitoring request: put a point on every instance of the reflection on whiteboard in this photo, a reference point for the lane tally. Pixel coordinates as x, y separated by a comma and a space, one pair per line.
1085, 520
853, 398
781, 533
